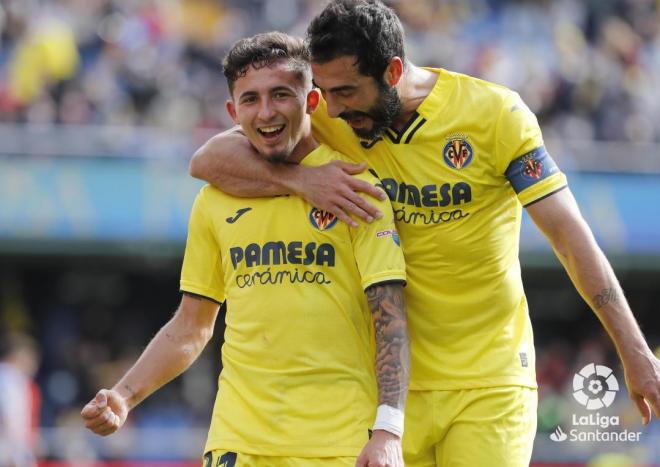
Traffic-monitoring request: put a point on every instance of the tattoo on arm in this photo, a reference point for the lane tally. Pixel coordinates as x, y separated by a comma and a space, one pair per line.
608, 295
392, 347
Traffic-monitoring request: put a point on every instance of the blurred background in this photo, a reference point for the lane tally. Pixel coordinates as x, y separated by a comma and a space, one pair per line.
102, 103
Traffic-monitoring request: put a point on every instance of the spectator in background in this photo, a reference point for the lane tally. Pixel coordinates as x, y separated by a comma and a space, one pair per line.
46, 53
589, 70
19, 400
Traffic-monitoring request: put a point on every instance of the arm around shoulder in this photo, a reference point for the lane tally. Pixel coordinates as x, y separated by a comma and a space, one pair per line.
230, 163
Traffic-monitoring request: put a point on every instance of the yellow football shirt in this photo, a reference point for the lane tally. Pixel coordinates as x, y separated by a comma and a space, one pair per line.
298, 358
457, 175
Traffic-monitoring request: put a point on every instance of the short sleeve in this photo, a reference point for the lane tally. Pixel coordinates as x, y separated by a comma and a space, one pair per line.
521, 154
377, 247
201, 273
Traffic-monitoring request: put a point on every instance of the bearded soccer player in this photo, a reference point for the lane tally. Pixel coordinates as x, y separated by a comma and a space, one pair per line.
459, 158
299, 385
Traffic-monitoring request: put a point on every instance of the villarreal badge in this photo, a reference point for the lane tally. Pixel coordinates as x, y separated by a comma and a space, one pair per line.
457, 153
532, 168
322, 220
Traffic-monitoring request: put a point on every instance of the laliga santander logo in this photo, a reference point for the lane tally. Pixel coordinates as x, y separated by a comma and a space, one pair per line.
595, 386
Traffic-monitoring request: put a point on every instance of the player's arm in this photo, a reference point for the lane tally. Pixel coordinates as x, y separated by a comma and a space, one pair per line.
229, 162
392, 346
174, 348
392, 373
559, 218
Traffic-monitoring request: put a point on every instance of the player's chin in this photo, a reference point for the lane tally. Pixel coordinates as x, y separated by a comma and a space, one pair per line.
277, 155
371, 132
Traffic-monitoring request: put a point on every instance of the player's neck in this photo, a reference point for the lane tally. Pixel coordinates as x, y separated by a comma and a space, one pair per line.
416, 83
306, 145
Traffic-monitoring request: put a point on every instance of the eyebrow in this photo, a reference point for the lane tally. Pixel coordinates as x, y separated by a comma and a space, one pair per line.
282, 88
275, 89
247, 94
345, 87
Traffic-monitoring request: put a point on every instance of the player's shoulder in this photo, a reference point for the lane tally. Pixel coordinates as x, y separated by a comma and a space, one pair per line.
476, 88
325, 154
209, 195
209, 191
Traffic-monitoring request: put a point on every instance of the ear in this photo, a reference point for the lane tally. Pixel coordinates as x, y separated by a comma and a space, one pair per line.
313, 99
231, 110
394, 71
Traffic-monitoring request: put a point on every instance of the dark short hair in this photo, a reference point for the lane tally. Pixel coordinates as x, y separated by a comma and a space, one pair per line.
264, 50
367, 29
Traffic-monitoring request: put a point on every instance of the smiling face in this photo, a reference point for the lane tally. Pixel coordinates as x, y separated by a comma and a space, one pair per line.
367, 105
272, 103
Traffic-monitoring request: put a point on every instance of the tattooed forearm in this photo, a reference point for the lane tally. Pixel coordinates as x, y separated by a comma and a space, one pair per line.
392, 346
609, 295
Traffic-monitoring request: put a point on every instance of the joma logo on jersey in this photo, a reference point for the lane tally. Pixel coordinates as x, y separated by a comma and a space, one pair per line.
322, 220
273, 253
457, 153
427, 195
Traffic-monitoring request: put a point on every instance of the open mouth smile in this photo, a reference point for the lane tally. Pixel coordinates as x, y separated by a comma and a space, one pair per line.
271, 132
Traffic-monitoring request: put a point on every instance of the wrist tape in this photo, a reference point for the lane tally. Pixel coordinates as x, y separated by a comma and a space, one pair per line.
389, 419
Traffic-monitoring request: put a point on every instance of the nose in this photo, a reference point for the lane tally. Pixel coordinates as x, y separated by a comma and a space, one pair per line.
335, 107
266, 110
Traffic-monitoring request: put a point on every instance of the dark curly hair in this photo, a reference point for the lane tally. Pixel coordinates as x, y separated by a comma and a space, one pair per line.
367, 29
263, 50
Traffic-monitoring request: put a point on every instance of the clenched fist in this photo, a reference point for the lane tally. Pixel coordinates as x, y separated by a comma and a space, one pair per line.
106, 413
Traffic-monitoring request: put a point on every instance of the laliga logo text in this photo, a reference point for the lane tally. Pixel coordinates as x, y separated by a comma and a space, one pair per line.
594, 387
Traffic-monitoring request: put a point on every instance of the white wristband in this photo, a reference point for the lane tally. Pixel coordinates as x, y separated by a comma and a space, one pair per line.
389, 419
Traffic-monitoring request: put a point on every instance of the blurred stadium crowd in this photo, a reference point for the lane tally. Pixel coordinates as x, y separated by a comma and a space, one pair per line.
587, 68
590, 70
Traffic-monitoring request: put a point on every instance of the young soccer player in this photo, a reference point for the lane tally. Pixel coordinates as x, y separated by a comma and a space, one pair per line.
299, 385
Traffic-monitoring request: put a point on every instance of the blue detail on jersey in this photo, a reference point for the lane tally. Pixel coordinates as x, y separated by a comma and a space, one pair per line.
322, 220
430, 196
228, 459
279, 252
457, 153
530, 168
395, 237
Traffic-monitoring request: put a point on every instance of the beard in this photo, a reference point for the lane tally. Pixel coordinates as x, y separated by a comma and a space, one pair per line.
279, 157
382, 114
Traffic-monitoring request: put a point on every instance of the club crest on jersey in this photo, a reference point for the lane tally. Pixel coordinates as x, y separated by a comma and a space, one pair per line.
322, 220
532, 168
457, 153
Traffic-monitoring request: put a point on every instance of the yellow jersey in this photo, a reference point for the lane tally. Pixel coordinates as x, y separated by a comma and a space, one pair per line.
457, 175
298, 374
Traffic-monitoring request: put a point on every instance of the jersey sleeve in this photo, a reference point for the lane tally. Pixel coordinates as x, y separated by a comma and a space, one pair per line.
521, 154
335, 133
201, 273
377, 248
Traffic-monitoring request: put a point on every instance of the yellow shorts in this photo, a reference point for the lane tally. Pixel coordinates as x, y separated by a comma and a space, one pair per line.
470, 428
233, 459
